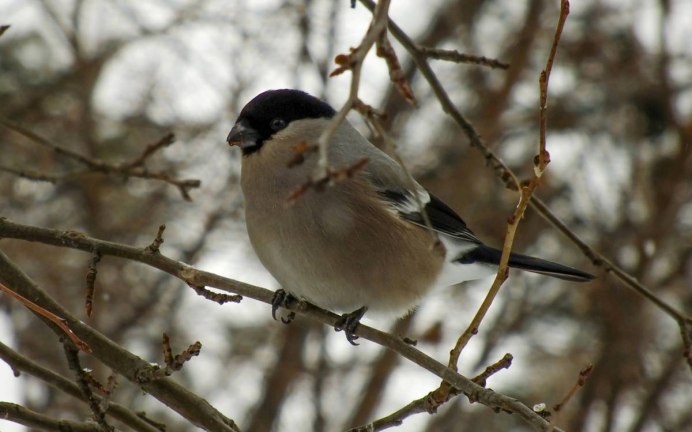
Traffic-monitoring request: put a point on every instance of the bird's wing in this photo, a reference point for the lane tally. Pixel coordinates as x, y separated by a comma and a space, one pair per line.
400, 193
409, 200
441, 217
390, 182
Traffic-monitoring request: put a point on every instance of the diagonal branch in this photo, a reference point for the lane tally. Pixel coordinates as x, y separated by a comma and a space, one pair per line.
27, 417
20, 364
458, 57
135, 168
187, 404
354, 63
169, 392
510, 180
50, 316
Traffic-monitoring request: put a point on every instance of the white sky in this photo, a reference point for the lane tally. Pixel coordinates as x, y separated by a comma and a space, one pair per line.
9, 385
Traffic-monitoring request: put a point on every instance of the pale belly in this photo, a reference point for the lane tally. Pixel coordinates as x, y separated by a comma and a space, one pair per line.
343, 263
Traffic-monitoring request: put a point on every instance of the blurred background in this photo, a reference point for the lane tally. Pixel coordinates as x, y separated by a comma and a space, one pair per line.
106, 78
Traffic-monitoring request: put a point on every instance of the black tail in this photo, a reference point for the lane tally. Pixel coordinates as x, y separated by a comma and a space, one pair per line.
490, 255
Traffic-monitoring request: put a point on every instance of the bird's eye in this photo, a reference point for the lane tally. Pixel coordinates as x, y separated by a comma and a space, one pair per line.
277, 124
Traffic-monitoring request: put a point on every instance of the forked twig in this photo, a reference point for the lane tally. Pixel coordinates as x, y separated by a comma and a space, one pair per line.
354, 63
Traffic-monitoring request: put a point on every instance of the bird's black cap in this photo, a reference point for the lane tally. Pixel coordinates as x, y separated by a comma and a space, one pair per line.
270, 112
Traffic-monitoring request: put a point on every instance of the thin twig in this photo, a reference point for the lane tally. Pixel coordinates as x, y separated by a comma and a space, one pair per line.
38, 139
543, 157
418, 406
73, 362
354, 63
132, 169
91, 282
581, 380
157, 242
330, 176
60, 322
31, 175
429, 403
219, 298
175, 363
152, 148
504, 363
396, 74
458, 57
525, 197
583, 374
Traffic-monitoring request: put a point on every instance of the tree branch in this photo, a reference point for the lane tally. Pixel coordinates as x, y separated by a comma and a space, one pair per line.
27, 417
170, 393
134, 168
510, 180
187, 404
19, 363
354, 63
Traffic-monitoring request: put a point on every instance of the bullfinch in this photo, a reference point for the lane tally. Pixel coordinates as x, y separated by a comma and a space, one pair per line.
361, 242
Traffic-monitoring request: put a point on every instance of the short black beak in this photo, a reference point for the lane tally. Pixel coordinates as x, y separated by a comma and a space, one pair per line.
243, 136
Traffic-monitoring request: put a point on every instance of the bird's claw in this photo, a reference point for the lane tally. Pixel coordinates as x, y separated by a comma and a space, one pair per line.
281, 299
288, 318
348, 323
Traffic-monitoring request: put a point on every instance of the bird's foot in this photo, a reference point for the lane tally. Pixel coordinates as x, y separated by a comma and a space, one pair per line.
281, 299
348, 323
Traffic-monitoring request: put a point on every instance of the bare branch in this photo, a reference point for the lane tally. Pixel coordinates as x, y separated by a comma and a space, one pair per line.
684, 321
219, 298
73, 362
135, 168
175, 363
354, 63
91, 282
109, 353
153, 248
19, 363
543, 157
507, 176
583, 374
513, 223
430, 403
135, 369
458, 57
31, 175
396, 74
24, 416
330, 176
59, 321
510, 180
504, 363
152, 148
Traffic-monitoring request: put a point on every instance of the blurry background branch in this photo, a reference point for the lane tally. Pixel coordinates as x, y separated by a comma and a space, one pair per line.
134, 168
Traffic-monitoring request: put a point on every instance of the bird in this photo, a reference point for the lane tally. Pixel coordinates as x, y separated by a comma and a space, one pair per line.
374, 240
